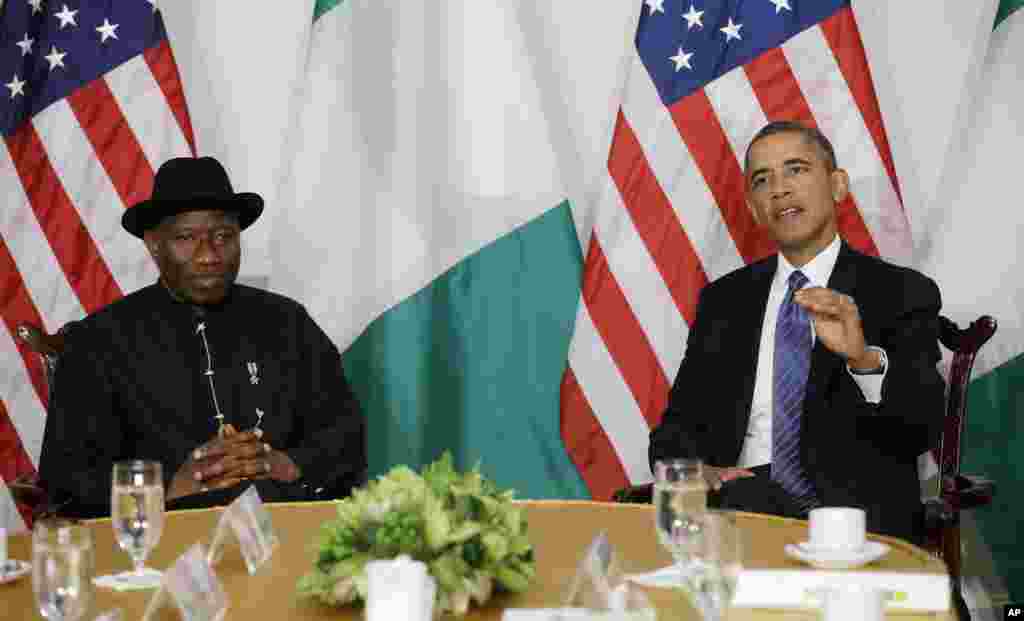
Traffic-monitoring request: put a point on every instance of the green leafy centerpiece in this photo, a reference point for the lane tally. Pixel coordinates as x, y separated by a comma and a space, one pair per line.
471, 536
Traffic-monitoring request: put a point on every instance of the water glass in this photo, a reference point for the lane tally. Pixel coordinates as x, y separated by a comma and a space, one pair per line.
680, 495
137, 508
716, 559
62, 569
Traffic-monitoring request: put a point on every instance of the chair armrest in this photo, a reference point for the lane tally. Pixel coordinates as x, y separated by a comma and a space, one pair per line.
29, 492
959, 494
636, 494
969, 491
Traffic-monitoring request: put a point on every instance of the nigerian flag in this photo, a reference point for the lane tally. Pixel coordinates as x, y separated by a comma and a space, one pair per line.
439, 152
978, 260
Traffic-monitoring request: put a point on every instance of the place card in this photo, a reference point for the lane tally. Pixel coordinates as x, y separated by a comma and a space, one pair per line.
591, 585
193, 587
582, 614
598, 590
784, 588
249, 521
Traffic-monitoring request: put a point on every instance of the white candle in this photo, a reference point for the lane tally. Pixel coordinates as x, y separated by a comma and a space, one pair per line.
396, 590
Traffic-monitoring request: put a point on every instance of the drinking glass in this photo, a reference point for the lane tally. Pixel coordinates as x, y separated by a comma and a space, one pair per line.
137, 508
62, 568
716, 559
680, 496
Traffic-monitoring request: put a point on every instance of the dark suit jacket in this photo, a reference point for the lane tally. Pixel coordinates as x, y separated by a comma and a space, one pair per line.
857, 454
131, 385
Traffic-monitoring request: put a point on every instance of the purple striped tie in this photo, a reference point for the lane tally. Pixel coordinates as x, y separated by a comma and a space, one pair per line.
792, 365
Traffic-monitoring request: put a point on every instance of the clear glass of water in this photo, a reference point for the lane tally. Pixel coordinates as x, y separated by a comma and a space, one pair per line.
716, 559
137, 508
680, 496
62, 569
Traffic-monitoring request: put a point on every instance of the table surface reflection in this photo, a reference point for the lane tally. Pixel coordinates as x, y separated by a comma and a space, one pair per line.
560, 530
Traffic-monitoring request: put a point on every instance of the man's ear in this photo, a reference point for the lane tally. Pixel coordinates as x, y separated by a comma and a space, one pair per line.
840, 185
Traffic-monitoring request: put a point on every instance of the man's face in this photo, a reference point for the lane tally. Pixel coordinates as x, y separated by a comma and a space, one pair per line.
793, 194
198, 253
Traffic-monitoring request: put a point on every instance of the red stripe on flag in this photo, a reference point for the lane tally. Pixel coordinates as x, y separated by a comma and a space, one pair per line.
15, 307
654, 219
623, 335
165, 71
843, 38
778, 91
698, 125
113, 140
587, 444
72, 245
852, 229
14, 460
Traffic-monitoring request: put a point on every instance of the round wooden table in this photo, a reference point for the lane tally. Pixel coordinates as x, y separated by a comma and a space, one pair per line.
560, 530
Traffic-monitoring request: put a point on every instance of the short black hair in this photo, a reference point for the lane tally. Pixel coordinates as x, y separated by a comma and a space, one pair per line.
811, 134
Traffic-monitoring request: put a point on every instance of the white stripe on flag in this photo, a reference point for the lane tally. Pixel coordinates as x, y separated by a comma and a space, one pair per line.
839, 118
24, 408
678, 175
738, 110
638, 277
610, 398
148, 113
93, 194
45, 281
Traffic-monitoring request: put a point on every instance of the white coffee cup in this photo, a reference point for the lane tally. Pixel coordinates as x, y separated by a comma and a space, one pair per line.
853, 603
836, 529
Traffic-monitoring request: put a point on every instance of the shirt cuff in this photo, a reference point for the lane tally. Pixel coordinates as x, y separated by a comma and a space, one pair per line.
871, 385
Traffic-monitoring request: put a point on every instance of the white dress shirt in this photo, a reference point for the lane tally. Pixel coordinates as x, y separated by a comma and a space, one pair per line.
757, 445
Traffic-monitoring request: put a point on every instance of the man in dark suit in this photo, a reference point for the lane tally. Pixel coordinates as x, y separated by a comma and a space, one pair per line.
809, 377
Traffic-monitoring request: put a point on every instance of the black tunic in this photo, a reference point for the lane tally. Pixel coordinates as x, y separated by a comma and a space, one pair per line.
131, 385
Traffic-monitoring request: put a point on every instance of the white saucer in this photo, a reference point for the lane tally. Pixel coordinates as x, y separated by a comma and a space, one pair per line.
836, 559
12, 570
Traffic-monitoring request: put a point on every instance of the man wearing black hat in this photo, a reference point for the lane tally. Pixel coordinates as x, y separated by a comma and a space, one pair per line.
173, 372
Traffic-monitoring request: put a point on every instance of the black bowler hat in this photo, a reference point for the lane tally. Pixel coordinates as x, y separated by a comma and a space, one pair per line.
190, 184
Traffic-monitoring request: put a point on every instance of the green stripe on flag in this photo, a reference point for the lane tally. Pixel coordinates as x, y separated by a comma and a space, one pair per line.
994, 426
322, 6
995, 400
1005, 8
472, 363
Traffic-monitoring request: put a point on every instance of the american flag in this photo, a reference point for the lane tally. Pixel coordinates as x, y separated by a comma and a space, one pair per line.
706, 75
91, 105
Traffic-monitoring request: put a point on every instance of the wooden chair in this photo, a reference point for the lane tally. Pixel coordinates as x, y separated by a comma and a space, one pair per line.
28, 491
957, 492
